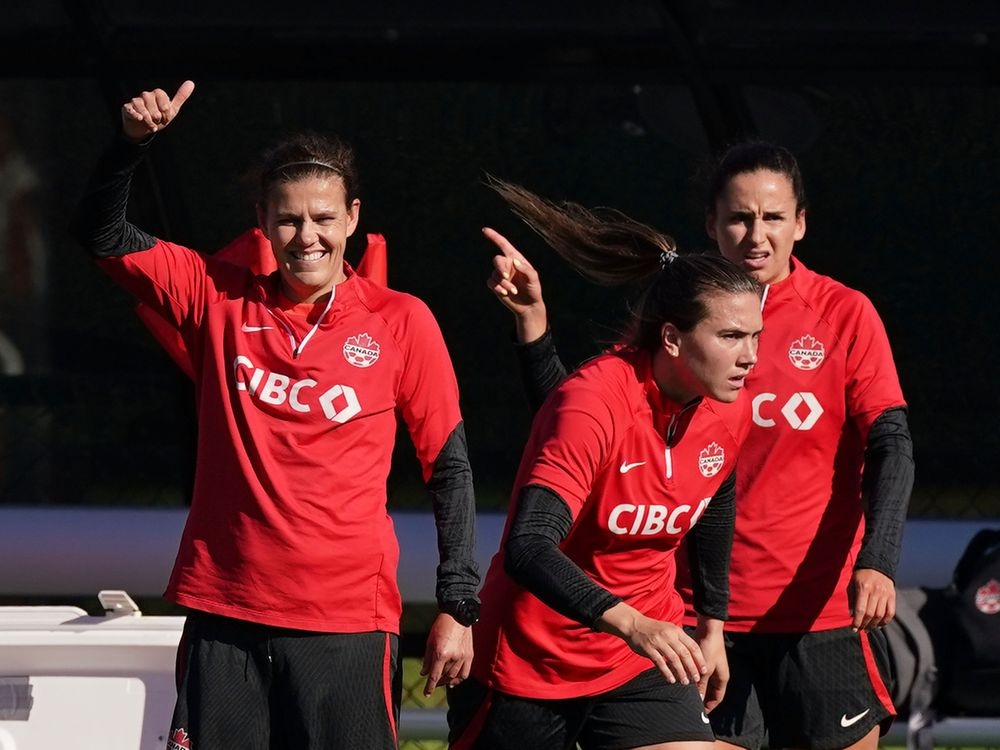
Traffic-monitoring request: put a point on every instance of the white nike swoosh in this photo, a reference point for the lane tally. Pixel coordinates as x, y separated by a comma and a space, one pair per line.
256, 329
704, 718
626, 467
845, 722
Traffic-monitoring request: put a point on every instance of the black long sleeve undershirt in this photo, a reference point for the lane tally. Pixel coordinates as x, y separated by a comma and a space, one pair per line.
541, 368
533, 559
99, 223
543, 520
887, 482
450, 488
709, 547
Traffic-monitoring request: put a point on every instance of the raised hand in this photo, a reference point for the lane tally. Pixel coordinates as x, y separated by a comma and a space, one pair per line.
516, 284
151, 111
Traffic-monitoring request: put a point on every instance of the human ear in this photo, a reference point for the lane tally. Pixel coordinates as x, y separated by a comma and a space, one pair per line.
710, 226
670, 339
353, 213
800, 225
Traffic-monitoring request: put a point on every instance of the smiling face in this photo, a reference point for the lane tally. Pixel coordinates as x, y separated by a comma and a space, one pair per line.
715, 356
756, 222
308, 222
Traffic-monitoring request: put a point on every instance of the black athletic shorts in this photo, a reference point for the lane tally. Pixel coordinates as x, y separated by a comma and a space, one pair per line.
644, 711
244, 686
818, 691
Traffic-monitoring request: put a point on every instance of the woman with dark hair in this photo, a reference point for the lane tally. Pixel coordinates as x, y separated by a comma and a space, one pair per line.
813, 561
580, 637
287, 564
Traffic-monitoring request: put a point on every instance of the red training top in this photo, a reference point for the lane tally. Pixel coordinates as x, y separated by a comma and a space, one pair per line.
824, 374
599, 443
297, 422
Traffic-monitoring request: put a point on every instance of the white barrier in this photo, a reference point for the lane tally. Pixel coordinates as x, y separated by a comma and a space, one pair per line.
78, 551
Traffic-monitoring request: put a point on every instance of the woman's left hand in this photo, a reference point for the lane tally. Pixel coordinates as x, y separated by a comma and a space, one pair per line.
448, 655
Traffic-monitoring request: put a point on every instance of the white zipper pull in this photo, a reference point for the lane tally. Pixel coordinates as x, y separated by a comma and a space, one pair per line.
668, 460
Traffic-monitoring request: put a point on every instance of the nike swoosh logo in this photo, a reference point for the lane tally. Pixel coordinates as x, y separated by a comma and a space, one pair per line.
256, 329
845, 722
704, 718
626, 467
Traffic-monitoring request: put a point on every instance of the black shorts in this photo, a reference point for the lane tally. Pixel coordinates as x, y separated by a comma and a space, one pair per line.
644, 711
818, 691
256, 687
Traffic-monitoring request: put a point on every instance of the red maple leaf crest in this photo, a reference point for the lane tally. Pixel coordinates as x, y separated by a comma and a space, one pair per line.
710, 459
179, 740
361, 350
807, 353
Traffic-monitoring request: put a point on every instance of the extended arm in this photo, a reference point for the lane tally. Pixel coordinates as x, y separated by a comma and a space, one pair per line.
99, 223
534, 559
448, 652
516, 284
451, 490
709, 545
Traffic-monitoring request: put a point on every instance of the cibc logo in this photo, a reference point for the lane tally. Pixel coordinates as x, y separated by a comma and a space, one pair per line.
801, 411
338, 403
648, 520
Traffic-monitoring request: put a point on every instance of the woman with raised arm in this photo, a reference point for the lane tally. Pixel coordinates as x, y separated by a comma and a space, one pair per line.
287, 563
580, 638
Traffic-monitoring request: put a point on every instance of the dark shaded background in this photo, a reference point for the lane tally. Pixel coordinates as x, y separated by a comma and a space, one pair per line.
893, 113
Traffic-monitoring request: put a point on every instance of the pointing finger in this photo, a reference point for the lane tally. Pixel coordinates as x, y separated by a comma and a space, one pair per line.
503, 244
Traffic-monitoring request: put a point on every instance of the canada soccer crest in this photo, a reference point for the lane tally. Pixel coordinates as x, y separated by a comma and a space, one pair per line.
710, 459
179, 740
807, 353
988, 597
361, 350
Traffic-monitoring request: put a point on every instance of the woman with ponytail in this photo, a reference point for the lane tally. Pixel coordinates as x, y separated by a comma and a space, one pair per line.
580, 638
